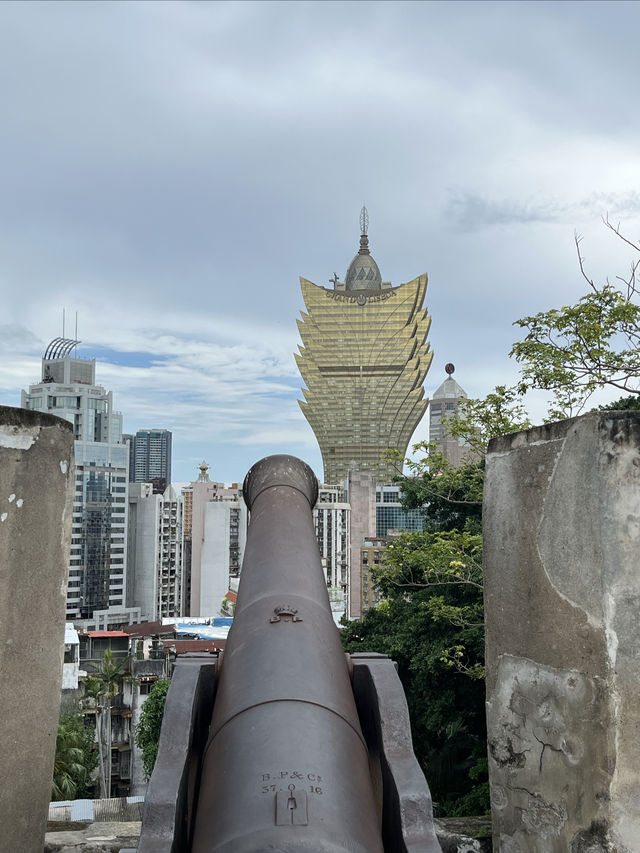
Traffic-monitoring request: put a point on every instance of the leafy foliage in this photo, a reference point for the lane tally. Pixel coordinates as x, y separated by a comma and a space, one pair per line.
624, 404
431, 621
446, 709
577, 349
478, 421
148, 729
101, 687
452, 496
76, 757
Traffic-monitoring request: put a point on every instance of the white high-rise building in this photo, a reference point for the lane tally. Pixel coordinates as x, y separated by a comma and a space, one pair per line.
216, 520
96, 593
155, 550
331, 516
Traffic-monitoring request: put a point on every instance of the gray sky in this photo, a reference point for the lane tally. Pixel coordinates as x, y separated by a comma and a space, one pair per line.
168, 170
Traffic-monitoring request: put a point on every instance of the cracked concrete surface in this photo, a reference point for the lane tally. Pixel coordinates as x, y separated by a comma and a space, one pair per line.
562, 597
36, 502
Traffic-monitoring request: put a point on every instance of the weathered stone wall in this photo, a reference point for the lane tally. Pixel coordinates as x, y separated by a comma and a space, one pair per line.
562, 597
36, 500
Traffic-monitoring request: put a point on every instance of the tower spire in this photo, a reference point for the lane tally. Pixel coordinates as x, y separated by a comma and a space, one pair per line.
364, 228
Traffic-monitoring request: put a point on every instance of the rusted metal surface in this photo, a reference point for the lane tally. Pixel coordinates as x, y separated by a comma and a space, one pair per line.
167, 816
286, 767
407, 810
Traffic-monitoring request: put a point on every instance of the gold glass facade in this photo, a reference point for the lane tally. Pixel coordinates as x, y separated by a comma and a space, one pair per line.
364, 357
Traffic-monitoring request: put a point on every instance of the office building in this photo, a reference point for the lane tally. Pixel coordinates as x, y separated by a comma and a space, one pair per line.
364, 357
371, 555
150, 458
96, 594
391, 518
443, 405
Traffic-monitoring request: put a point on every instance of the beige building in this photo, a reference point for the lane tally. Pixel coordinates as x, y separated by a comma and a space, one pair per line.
371, 554
361, 490
364, 357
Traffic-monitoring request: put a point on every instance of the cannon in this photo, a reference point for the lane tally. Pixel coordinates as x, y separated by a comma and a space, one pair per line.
285, 744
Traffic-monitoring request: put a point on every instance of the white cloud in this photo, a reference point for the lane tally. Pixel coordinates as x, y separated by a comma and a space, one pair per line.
170, 169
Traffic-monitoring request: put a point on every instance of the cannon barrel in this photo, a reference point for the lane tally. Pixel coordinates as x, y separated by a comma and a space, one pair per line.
286, 767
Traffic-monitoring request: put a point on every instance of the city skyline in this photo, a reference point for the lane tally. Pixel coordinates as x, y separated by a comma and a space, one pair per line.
171, 185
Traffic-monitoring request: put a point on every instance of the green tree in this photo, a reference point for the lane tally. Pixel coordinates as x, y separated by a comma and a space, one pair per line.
442, 571
101, 688
578, 349
452, 496
148, 729
446, 708
76, 758
431, 621
624, 404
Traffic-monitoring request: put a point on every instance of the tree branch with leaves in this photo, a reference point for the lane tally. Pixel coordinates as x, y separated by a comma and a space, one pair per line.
575, 350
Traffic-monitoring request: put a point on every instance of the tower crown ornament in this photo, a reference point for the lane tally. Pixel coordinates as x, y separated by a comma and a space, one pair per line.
363, 272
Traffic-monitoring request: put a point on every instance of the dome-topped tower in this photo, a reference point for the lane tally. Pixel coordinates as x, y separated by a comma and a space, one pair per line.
364, 357
363, 272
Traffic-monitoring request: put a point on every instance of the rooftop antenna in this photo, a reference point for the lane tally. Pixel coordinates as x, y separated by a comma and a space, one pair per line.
364, 225
364, 220
63, 322
76, 336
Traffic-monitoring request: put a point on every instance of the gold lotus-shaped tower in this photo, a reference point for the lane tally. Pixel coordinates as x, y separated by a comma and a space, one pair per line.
364, 358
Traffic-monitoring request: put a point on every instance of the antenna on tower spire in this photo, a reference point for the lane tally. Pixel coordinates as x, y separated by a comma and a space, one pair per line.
364, 220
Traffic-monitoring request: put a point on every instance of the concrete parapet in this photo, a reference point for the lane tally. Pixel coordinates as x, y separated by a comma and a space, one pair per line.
36, 500
562, 600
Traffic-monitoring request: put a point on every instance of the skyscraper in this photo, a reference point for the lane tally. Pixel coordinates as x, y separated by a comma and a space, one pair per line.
98, 565
443, 405
364, 358
155, 551
150, 458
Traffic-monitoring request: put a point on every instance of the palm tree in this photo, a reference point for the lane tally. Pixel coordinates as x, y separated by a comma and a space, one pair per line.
72, 763
103, 686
